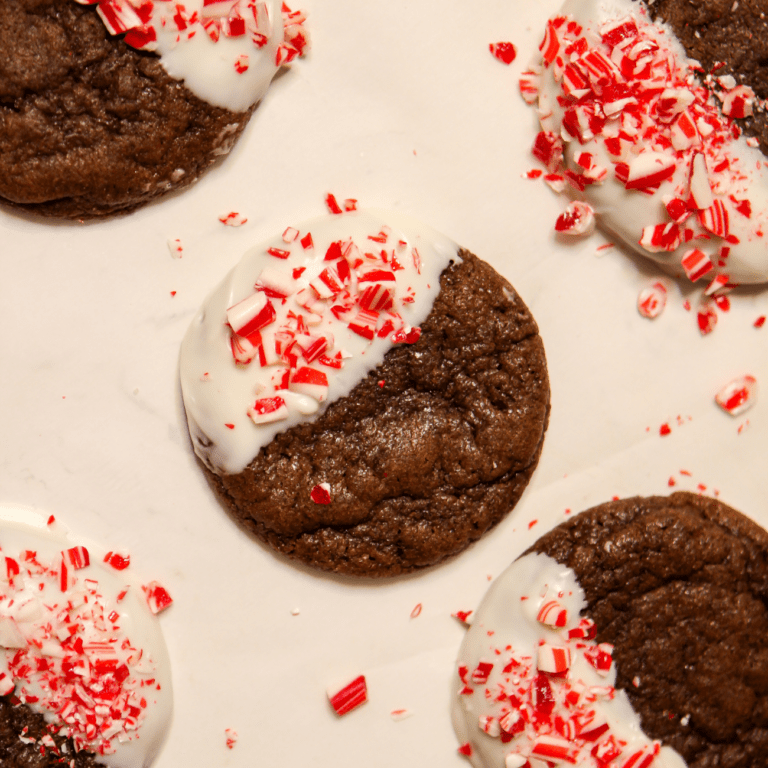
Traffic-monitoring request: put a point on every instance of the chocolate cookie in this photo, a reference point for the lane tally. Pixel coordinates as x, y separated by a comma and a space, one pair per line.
90, 126
428, 451
679, 586
726, 38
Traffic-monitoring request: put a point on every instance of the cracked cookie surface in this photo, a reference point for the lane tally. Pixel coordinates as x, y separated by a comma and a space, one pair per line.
679, 585
422, 465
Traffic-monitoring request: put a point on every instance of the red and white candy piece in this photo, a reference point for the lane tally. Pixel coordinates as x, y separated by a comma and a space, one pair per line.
77, 557
268, 409
555, 748
321, 493
505, 52
251, 314
737, 102
552, 614
696, 264
652, 300
157, 596
738, 395
349, 697
554, 659
577, 219
311, 382
481, 672
600, 657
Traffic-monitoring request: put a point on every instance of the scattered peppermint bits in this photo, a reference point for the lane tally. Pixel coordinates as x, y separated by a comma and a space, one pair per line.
63, 651
738, 395
400, 714
505, 52
463, 617
142, 21
416, 610
233, 219
231, 737
349, 697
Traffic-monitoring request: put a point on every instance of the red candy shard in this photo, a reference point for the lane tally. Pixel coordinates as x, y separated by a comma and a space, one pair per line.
505, 52
349, 697
577, 219
652, 300
117, 561
321, 493
268, 409
406, 336
462, 616
77, 557
157, 596
738, 395
481, 672
333, 206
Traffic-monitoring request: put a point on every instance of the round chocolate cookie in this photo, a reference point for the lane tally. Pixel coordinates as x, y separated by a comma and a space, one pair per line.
18, 720
89, 126
727, 38
679, 585
427, 453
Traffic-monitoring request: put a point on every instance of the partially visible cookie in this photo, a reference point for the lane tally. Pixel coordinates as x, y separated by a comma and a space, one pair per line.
679, 586
84, 673
430, 442
90, 126
662, 601
652, 139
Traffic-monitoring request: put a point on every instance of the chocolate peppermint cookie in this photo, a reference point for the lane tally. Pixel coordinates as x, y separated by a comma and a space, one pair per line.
679, 586
657, 130
91, 126
394, 423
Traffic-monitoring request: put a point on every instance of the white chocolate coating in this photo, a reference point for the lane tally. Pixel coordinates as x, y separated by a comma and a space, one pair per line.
208, 68
507, 616
625, 213
217, 392
22, 529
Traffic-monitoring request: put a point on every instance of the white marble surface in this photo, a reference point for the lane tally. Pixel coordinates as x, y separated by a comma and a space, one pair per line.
401, 106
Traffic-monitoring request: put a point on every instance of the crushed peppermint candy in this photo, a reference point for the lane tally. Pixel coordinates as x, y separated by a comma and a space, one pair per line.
63, 652
505, 52
738, 395
349, 696
321, 493
652, 300
142, 21
231, 737
577, 219
233, 219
